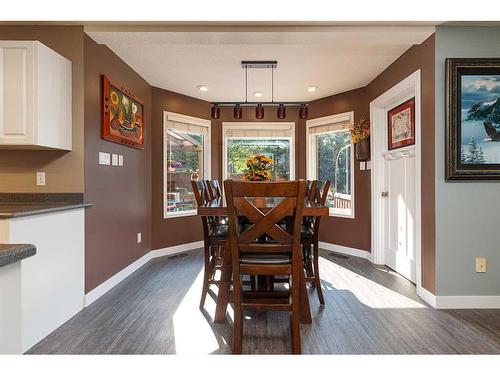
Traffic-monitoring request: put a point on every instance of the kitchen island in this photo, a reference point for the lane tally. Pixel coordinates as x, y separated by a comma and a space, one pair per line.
41, 285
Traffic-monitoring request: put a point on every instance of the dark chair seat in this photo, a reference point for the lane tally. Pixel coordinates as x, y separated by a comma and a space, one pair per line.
219, 232
258, 258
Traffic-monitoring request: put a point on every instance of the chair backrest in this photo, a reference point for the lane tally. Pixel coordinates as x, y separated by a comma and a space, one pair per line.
311, 187
200, 194
213, 189
287, 202
318, 195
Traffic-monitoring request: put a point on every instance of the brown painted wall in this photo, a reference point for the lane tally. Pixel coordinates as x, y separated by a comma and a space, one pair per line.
120, 196
64, 170
354, 232
419, 57
173, 231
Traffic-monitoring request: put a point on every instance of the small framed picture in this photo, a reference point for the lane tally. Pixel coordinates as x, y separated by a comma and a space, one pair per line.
122, 115
401, 125
472, 119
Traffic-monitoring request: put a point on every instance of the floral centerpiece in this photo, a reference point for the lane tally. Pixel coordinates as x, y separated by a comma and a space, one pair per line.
360, 135
259, 168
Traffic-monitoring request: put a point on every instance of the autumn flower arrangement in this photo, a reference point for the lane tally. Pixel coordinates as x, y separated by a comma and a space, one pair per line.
360, 130
259, 168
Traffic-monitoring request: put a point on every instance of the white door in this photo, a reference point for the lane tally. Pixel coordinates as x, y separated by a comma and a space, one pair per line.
399, 211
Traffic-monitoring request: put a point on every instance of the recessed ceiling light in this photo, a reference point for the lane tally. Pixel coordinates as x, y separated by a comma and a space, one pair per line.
258, 94
202, 87
312, 88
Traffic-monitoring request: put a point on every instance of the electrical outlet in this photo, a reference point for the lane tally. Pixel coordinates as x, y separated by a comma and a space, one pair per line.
40, 178
139, 237
480, 264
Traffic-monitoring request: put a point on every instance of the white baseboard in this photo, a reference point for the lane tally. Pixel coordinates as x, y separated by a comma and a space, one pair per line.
468, 302
113, 281
426, 296
176, 249
345, 250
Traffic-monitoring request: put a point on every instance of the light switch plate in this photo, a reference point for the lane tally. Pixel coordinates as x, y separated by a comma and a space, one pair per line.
104, 158
120, 160
362, 165
368, 165
114, 160
139, 237
480, 265
40, 178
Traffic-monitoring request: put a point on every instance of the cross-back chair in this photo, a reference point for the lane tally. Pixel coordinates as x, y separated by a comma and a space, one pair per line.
310, 237
279, 254
214, 240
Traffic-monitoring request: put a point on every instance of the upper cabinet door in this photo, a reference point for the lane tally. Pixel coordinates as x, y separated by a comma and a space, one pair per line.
16, 93
35, 97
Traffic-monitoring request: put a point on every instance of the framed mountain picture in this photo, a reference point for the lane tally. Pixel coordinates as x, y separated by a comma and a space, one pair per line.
472, 119
122, 114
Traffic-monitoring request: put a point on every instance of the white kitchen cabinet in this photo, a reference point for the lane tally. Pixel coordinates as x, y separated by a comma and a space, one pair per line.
35, 97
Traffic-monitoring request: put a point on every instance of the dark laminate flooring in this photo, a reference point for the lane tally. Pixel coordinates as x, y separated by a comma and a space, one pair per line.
369, 310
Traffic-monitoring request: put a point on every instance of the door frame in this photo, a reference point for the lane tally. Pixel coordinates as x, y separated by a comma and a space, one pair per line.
404, 90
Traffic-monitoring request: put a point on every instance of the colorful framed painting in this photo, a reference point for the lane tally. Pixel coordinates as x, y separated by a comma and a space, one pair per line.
122, 114
401, 125
472, 119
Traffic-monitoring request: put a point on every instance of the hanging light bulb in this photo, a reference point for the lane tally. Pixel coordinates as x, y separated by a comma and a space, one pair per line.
259, 112
215, 111
281, 111
303, 111
237, 112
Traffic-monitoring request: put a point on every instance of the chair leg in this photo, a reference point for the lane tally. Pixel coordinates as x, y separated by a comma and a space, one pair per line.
238, 317
317, 280
206, 277
295, 317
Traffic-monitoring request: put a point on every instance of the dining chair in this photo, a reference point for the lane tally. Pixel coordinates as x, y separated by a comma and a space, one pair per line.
279, 254
213, 189
309, 237
214, 240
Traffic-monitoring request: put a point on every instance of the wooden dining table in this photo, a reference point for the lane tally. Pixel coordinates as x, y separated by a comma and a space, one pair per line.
217, 207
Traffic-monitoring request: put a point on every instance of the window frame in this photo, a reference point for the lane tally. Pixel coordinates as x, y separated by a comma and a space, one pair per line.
207, 152
258, 126
311, 159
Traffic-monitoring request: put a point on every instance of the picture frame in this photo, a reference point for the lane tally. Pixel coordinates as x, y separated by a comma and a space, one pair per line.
401, 125
472, 119
122, 115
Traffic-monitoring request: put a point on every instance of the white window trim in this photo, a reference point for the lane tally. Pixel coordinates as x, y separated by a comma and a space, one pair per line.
177, 117
311, 155
258, 125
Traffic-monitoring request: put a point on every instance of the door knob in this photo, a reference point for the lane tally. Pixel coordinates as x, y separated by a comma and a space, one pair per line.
385, 194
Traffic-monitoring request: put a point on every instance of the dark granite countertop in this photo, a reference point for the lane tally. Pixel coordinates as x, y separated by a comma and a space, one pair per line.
15, 253
14, 205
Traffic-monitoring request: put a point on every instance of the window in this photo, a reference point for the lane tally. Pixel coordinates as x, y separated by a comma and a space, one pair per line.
186, 156
330, 154
244, 140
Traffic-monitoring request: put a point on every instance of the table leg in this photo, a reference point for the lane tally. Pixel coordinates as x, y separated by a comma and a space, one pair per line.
224, 286
305, 309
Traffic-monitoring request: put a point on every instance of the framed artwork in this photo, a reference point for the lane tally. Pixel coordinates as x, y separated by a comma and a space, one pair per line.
472, 119
122, 115
401, 125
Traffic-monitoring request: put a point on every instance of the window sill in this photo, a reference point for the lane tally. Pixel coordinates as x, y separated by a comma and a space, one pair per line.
173, 215
341, 215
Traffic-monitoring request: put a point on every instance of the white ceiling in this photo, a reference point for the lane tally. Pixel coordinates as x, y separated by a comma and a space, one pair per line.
336, 59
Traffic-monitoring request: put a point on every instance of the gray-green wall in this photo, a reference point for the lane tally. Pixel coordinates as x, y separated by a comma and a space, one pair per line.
467, 213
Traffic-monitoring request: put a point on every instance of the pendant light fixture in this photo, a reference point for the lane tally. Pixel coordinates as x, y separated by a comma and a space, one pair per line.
303, 111
259, 105
259, 112
281, 113
215, 111
237, 112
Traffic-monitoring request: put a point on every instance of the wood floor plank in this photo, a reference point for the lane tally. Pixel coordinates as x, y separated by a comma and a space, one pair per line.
369, 310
